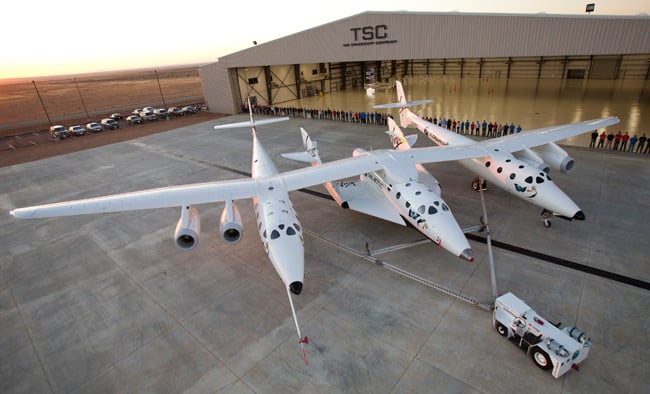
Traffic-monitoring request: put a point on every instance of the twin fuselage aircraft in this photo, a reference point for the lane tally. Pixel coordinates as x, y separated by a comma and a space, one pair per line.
400, 186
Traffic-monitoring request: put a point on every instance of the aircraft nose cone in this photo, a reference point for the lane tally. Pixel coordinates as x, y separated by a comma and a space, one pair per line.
579, 215
295, 287
467, 254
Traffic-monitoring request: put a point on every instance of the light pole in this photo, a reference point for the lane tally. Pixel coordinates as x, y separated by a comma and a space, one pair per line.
160, 88
42, 103
82, 99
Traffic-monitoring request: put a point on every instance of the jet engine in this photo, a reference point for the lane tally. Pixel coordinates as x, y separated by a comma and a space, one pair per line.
188, 228
533, 159
556, 157
230, 224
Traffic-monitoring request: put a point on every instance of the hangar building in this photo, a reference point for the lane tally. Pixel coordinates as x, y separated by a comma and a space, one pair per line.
381, 46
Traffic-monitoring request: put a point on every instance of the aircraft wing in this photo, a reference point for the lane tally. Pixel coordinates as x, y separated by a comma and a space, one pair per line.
361, 198
532, 138
173, 196
201, 193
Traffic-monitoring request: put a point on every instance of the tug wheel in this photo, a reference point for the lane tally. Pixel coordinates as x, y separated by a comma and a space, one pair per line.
541, 359
502, 330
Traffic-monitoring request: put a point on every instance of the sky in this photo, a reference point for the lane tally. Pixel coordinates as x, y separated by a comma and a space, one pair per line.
44, 37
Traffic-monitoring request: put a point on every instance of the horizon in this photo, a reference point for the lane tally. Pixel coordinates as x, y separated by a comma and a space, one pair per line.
188, 36
89, 74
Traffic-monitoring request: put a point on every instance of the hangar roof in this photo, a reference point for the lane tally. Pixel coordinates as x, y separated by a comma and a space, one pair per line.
416, 35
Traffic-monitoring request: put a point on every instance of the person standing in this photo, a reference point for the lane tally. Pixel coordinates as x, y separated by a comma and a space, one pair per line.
594, 137
633, 141
617, 140
610, 138
642, 141
601, 140
624, 140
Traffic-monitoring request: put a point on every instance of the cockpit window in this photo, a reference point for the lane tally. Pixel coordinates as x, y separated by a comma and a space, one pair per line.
281, 226
529, 179
275, 234
398, 195
417, 193
297, 226
445, 207
436, 203
513, 175
432, 210
499, 170
487, 163
291, 231
539, 179
421, 209
408, 204
408, 184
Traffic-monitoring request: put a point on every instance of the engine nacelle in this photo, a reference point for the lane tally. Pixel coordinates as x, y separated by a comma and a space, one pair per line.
533, 159
230, 224
188, 228
556, 157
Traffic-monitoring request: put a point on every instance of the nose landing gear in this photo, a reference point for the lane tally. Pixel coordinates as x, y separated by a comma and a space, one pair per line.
546, 217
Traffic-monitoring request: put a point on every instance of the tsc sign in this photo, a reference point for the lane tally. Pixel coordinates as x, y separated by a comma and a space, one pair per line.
369, 35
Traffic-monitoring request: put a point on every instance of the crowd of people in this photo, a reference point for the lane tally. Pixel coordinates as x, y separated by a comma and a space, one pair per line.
620, 141
476, 128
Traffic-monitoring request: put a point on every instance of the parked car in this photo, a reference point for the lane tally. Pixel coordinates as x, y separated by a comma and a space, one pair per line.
59, 131
117, 116
134, 119
77, 130
147, 109
94, 127
148, 115
189, 109
161, 113
110, 124
175, 111
136, 111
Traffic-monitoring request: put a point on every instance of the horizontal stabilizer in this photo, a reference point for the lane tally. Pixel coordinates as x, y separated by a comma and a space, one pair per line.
248, 123
403, 105
299, 156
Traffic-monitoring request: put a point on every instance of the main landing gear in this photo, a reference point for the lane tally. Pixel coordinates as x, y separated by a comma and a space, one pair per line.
546, 217
478, 186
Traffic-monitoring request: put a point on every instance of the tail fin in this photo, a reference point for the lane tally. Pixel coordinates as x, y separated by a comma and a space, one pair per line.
397, 137
402, 104
310, 155
401, 97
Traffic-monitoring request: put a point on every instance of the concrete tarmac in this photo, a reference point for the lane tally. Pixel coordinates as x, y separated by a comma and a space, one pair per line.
107, 303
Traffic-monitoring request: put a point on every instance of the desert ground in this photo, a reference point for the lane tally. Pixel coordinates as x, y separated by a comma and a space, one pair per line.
77, 100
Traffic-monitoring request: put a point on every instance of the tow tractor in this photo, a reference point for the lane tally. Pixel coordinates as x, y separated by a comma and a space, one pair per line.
549, 345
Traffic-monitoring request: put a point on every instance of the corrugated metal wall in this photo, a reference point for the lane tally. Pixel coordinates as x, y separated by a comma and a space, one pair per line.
453, 44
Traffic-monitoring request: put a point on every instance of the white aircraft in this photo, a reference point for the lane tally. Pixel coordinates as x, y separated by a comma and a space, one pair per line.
279, 229
400, 190
511, 164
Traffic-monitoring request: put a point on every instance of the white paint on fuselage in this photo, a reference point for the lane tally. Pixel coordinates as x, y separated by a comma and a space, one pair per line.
419, 204
502, 169
277, 223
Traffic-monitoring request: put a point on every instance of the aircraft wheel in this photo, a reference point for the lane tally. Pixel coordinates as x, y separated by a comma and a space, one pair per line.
541, 359
547, 223
502, 330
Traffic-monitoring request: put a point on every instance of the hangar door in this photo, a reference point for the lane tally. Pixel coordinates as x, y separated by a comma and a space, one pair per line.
604, 67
